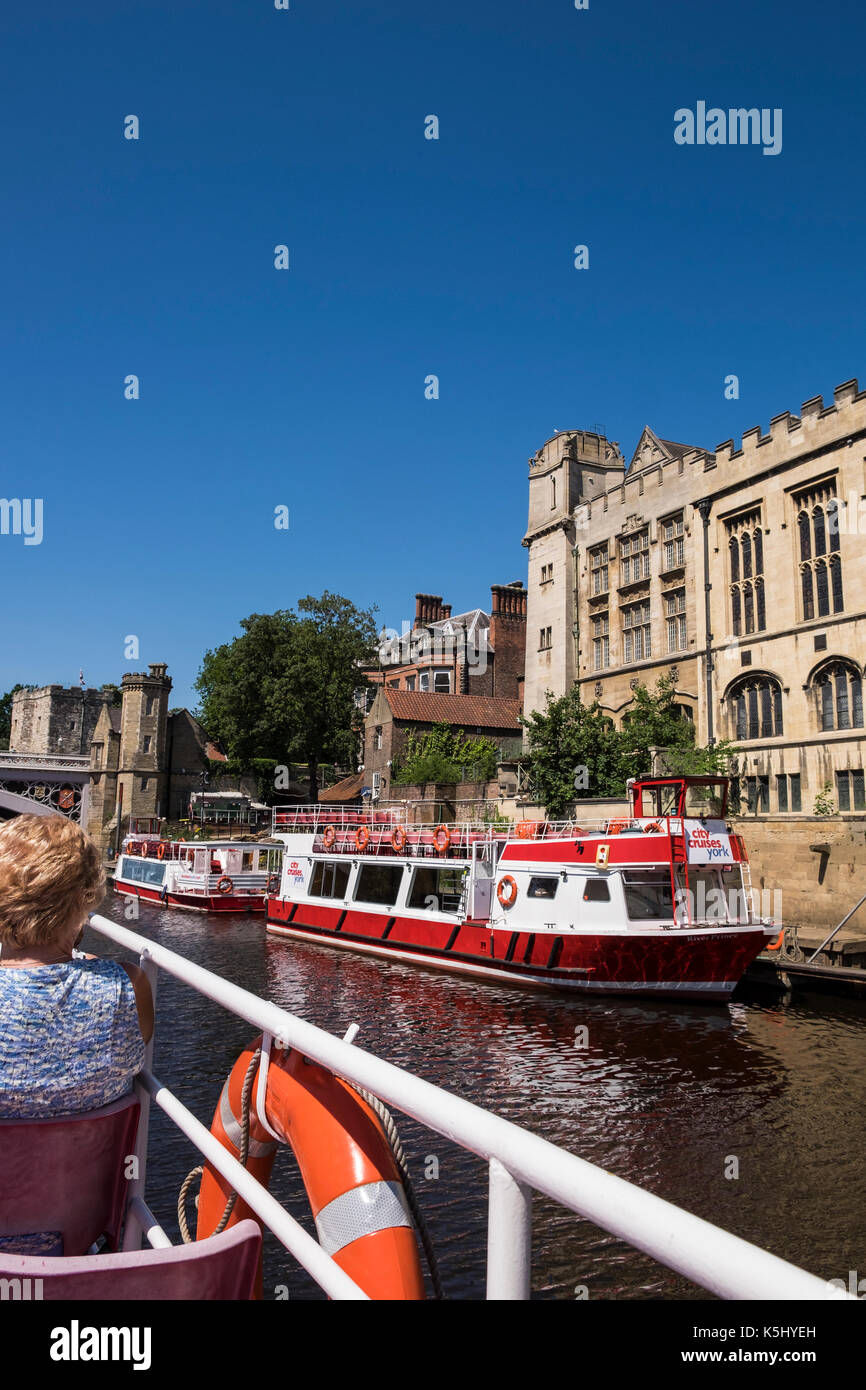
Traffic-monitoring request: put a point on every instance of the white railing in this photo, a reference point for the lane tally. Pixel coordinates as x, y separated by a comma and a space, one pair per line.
519, 1163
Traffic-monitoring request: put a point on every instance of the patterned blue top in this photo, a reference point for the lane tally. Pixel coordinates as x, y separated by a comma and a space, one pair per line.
70, 1041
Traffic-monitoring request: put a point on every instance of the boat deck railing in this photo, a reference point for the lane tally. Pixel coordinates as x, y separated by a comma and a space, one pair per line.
519, 1163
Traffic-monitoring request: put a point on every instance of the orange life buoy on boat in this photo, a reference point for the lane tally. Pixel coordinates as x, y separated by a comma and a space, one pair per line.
329, 835
777, 944
655, 827
506, 891
442, 838
160, 853
398, 838
225, 884
615, 826
362, 838
352, 1181
526, 829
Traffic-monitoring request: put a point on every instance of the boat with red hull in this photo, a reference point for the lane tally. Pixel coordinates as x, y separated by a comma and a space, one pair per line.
656, 903
200, 876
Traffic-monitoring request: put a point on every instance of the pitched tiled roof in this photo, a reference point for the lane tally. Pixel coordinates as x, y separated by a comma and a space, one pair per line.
347, 790
677, 450
466, 711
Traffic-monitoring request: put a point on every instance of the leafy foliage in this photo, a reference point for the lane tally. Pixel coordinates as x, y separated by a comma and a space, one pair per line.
6, 714
285, 688
445, 754
569, 735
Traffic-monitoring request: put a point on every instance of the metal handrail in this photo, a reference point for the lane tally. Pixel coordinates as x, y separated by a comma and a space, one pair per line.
519, 1163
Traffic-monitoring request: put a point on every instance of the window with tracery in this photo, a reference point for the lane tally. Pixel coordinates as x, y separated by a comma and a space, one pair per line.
746, 552
755, 704
839, 690
820, 559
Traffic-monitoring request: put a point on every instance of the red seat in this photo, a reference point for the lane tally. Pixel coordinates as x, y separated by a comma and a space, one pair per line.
221, 1267
68, 1174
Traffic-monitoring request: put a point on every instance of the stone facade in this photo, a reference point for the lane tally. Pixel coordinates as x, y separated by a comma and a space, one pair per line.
769, 651
55, 719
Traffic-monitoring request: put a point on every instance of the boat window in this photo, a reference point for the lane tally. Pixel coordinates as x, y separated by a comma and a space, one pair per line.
705, 801
246, 861
329, 879
436, 890
542, 888
379, 883
596, 890
139, 871
648, 896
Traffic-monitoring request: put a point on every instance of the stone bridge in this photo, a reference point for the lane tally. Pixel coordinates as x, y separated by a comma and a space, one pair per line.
45, 785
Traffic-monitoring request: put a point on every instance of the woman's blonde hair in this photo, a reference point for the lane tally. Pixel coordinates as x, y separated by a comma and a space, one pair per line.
51, 876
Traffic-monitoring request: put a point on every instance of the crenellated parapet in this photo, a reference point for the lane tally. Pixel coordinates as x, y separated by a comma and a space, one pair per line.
817, 426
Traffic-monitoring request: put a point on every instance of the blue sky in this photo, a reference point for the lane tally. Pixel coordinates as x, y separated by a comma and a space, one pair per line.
408, 257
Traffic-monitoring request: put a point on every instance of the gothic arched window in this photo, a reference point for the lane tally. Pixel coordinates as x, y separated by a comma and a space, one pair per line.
839, 688
755, 707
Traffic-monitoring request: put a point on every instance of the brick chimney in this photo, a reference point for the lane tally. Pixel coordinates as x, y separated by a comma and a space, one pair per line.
508, 637
428, 609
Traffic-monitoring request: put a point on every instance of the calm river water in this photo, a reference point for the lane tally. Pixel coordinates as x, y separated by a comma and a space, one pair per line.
663, 1094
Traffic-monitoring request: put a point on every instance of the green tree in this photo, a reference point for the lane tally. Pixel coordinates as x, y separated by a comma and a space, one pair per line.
567, 737
285, 688
6, 714
570, 735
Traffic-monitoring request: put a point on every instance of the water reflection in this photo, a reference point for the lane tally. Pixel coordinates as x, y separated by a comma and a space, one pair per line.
661, 1093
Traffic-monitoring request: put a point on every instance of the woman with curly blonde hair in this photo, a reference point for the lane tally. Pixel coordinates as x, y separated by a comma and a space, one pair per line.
73, 1027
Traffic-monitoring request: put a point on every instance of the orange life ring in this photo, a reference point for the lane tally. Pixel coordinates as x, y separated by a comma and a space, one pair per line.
526, 829
362, 838
655, 827
160, 853
144, 849
615, 826
777, 944
442, 838
352, 1182
329, 835
398, 838
506, 890
225, 884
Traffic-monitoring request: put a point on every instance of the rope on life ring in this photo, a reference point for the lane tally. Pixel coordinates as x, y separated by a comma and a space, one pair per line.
329, 835
272, 884
442, 838
225, 884
362, 838
777, 944
398, 839
356, 1185
506, 890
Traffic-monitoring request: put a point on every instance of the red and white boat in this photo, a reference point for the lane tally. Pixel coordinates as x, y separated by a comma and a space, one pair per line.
657, 903
205, 876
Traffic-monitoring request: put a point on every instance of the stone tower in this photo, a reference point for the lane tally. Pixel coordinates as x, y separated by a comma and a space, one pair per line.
569, 471
142, 756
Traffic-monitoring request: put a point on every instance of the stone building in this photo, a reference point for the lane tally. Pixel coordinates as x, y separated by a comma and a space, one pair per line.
395, 714
55, 719
144, 758
472, 653
741, 573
